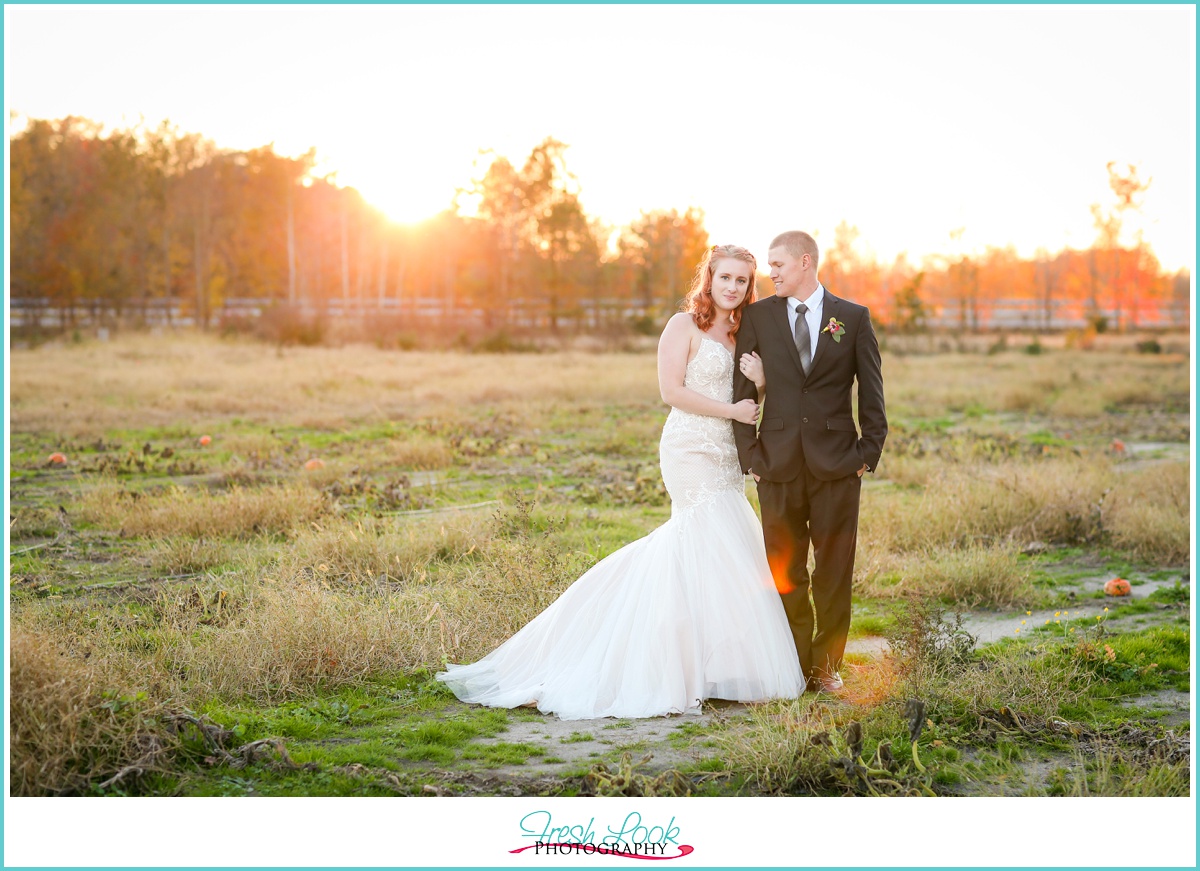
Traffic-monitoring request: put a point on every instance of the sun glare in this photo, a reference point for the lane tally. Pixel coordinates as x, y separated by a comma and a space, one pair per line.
406, 198
409, 184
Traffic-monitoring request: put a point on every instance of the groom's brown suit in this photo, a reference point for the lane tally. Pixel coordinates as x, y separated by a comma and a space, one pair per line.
807, 455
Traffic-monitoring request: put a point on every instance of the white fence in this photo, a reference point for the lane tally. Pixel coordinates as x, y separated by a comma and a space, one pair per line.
1003, 314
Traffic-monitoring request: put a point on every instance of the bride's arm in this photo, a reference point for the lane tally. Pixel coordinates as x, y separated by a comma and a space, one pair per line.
673, 350
752, 367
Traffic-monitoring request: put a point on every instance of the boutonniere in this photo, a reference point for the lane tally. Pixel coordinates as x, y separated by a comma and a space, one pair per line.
836, 329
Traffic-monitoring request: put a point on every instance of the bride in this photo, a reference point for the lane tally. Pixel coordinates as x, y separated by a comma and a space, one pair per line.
689, 612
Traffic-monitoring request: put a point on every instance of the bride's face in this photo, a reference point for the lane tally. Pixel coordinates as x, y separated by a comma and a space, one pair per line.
731, 283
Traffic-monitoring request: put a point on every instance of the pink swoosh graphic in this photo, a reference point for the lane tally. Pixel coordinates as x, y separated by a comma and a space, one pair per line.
684, 850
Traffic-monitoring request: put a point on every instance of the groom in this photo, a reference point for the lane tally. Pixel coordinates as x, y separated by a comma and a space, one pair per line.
806, 455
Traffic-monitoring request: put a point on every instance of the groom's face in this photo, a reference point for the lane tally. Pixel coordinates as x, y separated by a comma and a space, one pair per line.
787, 272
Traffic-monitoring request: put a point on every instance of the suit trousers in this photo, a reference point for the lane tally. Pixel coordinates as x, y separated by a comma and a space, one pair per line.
825, 513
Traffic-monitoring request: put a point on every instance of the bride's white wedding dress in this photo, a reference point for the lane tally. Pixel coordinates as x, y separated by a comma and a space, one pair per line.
687, 613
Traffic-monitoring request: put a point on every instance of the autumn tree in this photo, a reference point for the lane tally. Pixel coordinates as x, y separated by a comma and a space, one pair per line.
908, 309
662, 249
1115, 268
849, 271
148, 216
537, 238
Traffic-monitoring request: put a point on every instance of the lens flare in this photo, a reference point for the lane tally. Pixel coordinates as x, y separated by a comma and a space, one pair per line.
779, 558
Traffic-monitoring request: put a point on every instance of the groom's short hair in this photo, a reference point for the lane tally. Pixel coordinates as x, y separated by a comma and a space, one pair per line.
798, 243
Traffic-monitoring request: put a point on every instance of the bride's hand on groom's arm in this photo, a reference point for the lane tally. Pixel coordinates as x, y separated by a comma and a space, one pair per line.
745, 411
752, 367
675, 348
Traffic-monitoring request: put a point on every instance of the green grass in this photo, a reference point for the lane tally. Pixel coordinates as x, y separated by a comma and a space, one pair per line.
496, 755
577, 738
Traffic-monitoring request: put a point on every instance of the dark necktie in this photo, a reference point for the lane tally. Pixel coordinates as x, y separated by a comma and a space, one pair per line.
803, 341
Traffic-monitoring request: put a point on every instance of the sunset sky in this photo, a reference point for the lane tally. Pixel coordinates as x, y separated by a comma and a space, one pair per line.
908, 122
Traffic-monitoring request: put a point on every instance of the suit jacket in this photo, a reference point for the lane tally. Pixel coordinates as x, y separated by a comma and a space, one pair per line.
809, 420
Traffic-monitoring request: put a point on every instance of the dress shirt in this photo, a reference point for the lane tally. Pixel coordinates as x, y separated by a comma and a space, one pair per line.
812, 317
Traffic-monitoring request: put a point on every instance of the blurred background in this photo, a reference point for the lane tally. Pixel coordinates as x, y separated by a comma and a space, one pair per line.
419, 176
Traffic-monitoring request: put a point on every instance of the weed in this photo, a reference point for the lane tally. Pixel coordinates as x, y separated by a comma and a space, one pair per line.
624, 779
924, 640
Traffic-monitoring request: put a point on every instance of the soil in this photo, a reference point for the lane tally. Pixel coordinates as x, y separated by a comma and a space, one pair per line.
563, 739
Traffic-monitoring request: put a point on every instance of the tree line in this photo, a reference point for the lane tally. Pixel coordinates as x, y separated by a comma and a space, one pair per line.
132, 218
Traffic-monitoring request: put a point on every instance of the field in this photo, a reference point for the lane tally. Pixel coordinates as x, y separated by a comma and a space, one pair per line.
252, 559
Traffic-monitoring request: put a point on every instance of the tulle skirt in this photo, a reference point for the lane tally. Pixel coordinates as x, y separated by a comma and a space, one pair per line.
685, 614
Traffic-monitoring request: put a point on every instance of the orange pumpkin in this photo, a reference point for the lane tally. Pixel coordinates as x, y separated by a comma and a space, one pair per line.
57, 459
1117, 587
314, 463
205, 441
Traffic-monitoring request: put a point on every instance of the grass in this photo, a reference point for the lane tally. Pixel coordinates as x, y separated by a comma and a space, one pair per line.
237, 513
68, 736
459, 494
968, 576
1006, 706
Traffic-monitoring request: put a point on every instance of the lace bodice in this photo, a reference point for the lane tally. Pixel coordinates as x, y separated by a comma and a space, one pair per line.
697, 453
710, 372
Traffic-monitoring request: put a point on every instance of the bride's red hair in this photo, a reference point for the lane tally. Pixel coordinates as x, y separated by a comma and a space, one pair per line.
699, 302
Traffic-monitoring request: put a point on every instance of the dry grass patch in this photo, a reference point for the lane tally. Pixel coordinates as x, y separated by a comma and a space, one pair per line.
1116, 771
775, 752
420, 453
1071, 383
970, 577
1035, 684
292, 635
327, 612
177, 555
289, 637
1024, 398
33, 522
235, 513
1059, 500
369, 549
66, 734
1149, 513
905, 470
84, 391
1069, 500
259, 445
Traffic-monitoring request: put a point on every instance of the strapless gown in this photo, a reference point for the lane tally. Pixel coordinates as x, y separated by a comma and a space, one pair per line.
687, 613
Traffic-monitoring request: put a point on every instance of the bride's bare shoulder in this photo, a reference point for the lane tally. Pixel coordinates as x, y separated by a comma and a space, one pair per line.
681, 323
680, 337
